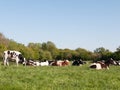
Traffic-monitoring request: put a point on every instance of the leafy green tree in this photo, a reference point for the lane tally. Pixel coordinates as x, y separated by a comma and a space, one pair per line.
44, 46
52, 49
84, 54
59, 55
75, 55
35, 46
47, 55
35, 49
67, 54
116, 54
44, 55
103, 53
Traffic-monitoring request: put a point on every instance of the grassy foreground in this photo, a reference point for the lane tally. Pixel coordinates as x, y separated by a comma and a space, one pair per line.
58, 78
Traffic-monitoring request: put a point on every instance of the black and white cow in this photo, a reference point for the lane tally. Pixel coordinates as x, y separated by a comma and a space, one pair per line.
36, 63
78, 62
13, 55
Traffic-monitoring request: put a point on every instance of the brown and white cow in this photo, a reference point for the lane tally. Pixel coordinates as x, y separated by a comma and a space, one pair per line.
60, 63
99, 65
102, 65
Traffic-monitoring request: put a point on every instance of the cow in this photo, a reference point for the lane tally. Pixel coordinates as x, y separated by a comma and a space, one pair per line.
37, 63
78, 62
99, 65
60, 63
102, 65
118, 62
13, 55
44, 63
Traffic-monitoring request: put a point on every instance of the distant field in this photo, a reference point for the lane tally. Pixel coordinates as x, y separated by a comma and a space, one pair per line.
58, 78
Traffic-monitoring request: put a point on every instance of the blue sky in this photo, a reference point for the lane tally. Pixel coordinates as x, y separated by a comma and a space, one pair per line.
88, 24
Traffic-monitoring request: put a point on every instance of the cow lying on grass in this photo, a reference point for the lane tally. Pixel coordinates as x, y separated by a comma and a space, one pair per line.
78, 62
37, 63
102, 65
60, 63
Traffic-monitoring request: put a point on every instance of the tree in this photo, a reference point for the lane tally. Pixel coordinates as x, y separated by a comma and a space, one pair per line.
35, 46
75, 55
35, 49
116, 54
52, 49
102, 53
67, 54
44, 55
118, 49
44, 46
84, 54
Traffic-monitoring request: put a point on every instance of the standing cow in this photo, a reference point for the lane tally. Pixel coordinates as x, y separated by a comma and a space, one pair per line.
13, 55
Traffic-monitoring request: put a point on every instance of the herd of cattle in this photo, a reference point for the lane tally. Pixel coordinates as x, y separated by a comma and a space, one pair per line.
18, 57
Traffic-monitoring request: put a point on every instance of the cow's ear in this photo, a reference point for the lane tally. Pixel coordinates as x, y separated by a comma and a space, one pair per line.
8, 52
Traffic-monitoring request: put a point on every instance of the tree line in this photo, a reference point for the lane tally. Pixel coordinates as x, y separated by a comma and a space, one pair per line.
49, 51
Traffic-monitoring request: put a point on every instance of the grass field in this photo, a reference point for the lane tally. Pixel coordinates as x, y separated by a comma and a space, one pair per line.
59, 78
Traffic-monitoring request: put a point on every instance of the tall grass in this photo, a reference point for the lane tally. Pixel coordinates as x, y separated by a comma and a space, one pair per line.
58, 78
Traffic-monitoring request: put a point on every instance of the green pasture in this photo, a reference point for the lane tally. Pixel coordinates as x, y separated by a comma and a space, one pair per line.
58, 78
